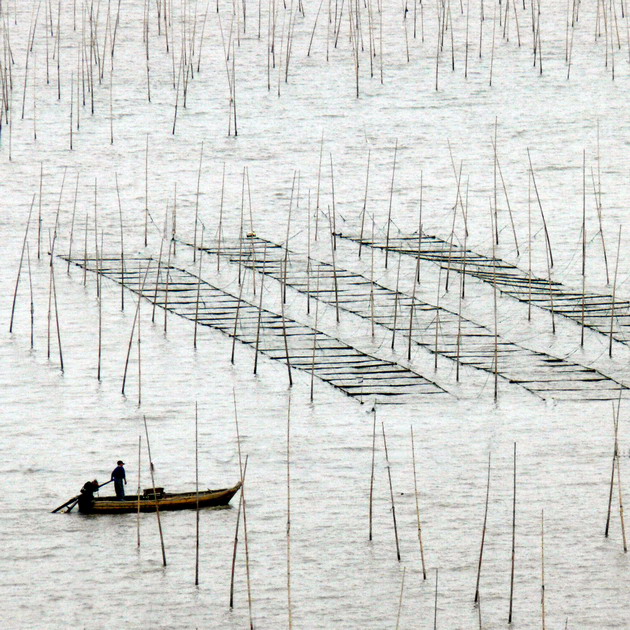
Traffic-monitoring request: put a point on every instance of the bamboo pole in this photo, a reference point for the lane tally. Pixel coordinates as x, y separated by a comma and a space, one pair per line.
529, 248
238, 309
289, 605
197, 203
412, 305
623, 525
513, 539
319, 178
389, 211
133, 327
308, 255
612, 476
334, 270
220, 230
85, 240
363, 210
496, 320
99, 299
157, 508
262, 282
39, 215
542, 569
196, 494
542, 214
245, 534
238, 520
400, 599
159, 267
54, 290
166, 286
198, 294
614, 291
483, 533
396, 302
74, 210
30, 282
139, 490
139, 342
583, 245
435, 608
333, 227
415, 490
17, 281
372, 473
312, 392
285, 339
372, 315
122, 247
391, 492
146, 193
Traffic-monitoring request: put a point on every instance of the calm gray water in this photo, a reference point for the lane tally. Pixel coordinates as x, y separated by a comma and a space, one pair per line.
61, 428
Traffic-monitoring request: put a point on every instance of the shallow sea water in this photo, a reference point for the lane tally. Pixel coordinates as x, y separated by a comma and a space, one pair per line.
61, 428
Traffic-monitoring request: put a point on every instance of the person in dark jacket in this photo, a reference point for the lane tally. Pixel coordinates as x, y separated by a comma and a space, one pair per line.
120, 479
86, 498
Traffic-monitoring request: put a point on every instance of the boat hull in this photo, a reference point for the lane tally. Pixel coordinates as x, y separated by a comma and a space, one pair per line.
168, 502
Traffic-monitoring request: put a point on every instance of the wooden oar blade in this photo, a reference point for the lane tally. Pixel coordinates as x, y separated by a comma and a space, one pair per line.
63, 505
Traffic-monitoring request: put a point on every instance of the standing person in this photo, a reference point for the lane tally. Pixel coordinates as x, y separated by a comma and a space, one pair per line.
120, 479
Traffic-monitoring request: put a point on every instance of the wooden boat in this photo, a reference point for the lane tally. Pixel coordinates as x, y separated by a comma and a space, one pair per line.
166, 501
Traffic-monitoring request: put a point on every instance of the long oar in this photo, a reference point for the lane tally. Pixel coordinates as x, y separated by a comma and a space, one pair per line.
75, 499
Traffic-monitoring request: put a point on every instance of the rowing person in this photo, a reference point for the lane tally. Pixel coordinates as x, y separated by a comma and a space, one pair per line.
86, 498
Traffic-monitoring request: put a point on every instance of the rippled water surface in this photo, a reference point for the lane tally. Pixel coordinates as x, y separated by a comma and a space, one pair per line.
60, 428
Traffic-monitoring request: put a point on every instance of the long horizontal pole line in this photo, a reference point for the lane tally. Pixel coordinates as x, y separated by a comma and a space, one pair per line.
544, 366
361, 385
553, 287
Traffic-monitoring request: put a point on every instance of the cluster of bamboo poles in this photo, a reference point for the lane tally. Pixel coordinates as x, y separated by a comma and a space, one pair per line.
75, 44
458, 338
241, 523
477, 597
141, 276
484, 531
450, 256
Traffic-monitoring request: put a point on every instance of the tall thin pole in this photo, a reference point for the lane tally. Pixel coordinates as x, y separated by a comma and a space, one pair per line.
289, 515
400, 599
623, 525
146, 193
372, 470
389, 212
542, 569
513, 538
17, 282
157, 507
197, 495
483, 534
583, 245
415, 489
612, 475
139, 488
614, 292
436, 600
30, 282
133, 327
391, 493
197, 203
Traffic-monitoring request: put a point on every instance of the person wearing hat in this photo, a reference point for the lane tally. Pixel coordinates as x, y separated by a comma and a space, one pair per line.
120, 479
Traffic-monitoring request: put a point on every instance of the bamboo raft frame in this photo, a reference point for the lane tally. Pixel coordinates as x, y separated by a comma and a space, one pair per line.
593, 310
542, 374
354, 372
